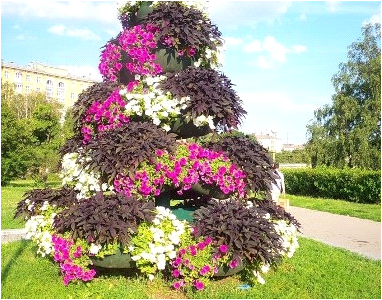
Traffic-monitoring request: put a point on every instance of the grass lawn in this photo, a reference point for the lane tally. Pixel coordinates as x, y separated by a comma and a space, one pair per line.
341, 207
315, 271
10, 196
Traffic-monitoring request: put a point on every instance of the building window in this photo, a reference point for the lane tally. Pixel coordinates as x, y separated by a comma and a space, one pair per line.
28, 78
49, 89
27, 89
38, 79
6, 74
38, 90
72, 96
19, 88
61, 92
18, 77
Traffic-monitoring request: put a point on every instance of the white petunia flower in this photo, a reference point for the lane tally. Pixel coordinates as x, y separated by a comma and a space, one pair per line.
94, 249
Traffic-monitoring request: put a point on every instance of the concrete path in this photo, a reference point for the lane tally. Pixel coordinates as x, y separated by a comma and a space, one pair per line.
357, 235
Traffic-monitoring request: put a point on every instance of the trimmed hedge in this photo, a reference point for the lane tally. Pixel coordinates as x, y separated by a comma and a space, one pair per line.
348, 184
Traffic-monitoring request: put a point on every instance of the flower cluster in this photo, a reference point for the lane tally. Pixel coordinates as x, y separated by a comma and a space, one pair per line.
203, 120
148, 101
191, 165
154, 245
194, 264
137, 43
288, 234
84, 181
65, 253
104, 116
38, 229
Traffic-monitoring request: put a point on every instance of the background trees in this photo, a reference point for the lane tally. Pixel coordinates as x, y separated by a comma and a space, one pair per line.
31, 134
347, 133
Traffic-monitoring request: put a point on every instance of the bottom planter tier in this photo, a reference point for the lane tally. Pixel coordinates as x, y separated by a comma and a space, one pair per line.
118, 261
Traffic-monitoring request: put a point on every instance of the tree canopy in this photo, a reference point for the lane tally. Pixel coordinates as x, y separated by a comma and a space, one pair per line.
347, 133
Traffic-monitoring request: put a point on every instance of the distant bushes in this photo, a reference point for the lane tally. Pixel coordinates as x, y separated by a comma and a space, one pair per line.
348, 184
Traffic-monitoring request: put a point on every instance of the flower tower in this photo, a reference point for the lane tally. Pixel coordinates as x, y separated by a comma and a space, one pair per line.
155, 176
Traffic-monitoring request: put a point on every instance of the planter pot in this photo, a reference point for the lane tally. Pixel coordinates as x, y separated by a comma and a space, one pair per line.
186, 129
211, 191
184, 213
117, 260
142, 12
227, 271
170, 61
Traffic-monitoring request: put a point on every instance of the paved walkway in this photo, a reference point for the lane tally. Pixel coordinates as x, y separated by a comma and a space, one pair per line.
357, 235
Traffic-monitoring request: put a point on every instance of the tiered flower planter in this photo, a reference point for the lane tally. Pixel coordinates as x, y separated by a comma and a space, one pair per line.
129, 159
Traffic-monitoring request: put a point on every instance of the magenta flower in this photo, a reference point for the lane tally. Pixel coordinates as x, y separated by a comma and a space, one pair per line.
177, 285
223, 248
208, 241
201, 245
176, 273
199, 285
233, 263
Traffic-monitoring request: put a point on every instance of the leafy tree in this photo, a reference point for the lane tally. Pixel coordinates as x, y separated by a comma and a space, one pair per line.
347, 133
31, 134
15, 153
295, 156
24, 105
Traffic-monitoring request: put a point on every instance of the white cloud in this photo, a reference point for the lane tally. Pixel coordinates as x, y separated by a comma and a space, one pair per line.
302, 17
84, 33
80, 71
271, 52
254, 46
20, 37
333, 6
373, 19
232, 14
298, 49
232, 41
16, 27
101, 11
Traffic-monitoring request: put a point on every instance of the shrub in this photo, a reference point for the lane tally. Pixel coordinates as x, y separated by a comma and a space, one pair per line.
97, 92
34, 200
210, 94
245, 230
250, 156
184, 27
122, 150
347, 184
104, 218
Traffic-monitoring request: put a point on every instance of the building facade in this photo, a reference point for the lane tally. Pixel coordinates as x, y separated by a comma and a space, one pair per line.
54, 82
270, 141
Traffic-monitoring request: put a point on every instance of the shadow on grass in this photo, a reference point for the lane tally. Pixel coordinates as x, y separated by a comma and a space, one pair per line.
18, 252
32, 185
126, 272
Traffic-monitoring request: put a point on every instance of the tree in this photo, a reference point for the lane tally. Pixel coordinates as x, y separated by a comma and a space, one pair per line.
31, 134
347, 133
15, 153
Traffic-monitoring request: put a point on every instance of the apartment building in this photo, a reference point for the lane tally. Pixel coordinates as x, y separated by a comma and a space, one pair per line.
54, 82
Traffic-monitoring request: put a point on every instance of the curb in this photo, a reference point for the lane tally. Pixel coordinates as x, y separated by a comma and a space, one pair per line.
11, 235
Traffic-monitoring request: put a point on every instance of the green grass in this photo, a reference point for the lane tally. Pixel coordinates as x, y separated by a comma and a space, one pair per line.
10, 196
341, 207
315, 271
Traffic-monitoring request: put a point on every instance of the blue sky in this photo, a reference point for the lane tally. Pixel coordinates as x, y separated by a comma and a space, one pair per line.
281, 56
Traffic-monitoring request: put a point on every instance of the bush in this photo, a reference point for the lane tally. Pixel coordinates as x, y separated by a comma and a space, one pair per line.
349, 184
